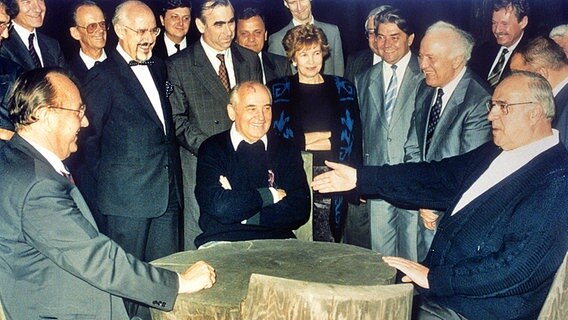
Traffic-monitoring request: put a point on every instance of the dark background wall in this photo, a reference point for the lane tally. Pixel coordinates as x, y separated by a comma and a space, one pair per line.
471, 15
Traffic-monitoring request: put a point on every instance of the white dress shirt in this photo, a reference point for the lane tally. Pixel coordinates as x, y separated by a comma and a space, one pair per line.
216, 63
507, 55
90, 62
171, 46
449, 90
24, 34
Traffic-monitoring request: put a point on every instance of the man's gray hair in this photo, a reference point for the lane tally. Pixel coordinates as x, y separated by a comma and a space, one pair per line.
540, 91
120, 11
560, 31
375, 12
463, 45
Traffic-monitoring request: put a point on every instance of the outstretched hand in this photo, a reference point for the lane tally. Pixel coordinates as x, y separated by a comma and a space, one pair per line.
414, 272
340, 178
197, 277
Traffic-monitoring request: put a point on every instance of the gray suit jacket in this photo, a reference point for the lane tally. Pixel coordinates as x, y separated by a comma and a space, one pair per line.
463, 125
383, 143
54, 263
16, 50
334, 62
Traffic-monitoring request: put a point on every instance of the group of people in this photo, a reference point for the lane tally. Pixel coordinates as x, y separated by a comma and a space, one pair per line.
120, 156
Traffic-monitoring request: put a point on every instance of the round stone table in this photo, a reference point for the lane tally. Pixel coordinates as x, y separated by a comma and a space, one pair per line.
234, 262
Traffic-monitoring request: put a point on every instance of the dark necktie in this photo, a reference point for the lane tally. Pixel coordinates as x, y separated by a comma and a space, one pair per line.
223, 73
434, 118
68, 175
134, 63
97, 63
177, 47
495, 74
390, 96
33, 53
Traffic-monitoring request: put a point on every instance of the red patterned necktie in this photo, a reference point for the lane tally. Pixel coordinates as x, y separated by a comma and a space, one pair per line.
223, 73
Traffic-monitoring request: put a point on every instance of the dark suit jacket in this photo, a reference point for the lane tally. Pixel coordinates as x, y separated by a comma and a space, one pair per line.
134, 164
357, 63
16, 50
9, 71
159, 49
78, 68
223, 210
485, 54
54, 263
501, 249
463, 125
275, 66
560, 121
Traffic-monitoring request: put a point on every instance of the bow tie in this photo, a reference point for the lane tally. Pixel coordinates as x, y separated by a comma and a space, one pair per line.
133, 63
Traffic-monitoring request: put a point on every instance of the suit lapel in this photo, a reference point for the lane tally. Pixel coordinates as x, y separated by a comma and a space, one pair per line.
450, 111
46, 54
208, 74
407, 86
133, 85
19, 50
377, 94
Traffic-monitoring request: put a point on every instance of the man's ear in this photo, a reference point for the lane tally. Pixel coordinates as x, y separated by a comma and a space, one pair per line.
231, 112
119, 30
200, 25
75, 33
162, 20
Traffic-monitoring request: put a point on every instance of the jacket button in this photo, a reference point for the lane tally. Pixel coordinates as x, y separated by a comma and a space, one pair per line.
216, 121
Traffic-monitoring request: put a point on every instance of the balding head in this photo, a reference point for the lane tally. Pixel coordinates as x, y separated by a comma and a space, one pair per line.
250, 107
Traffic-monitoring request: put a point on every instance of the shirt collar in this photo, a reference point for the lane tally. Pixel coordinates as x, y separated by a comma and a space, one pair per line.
514, 46
90, 62
297, 23
533, 149
400, 65
451, 86
23, 33
126, 56
236, 138
53, 160
171, 45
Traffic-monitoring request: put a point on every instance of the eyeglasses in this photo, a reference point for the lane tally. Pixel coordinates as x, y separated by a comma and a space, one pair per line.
92, 27
80, 111
5, 25
503, 105
141, 32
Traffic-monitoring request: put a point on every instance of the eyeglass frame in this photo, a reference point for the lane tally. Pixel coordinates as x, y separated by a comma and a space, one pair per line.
80, 112
369, 32
5, 25
141, 32
103, 25
504, 106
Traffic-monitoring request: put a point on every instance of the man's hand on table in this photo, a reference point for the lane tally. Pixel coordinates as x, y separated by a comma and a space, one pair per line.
414, 272
197, 277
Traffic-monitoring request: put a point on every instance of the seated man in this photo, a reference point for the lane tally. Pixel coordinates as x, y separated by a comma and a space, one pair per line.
503, 236
250, 185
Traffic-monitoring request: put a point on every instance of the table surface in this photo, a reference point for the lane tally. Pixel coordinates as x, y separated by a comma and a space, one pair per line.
234, 262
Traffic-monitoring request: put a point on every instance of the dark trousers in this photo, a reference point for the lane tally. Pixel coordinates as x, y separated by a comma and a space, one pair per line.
147, 239
424, 309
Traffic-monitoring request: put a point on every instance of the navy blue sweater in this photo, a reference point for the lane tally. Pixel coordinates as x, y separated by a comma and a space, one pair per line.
495, 258
221, 211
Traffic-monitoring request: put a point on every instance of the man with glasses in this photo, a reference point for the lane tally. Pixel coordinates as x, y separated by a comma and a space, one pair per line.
503, 236
129, 150
361, 61
9, 70
175, 16
26, 46
90, 29
55, 262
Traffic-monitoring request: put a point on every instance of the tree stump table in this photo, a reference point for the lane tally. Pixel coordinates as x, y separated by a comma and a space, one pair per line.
234, 262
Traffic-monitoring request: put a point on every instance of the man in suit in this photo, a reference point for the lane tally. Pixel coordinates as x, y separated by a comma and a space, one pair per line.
9, 70
301, 11
90, 29
250, 185
386, 95
492, 60
543, 56
450, 117
363, 60
130, 148
201, 83
251, 34
27, 47
175, 17
504, 235
55, 264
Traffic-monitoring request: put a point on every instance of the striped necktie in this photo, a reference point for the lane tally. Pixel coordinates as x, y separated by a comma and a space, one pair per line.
32, 51
495, 74
390, 95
